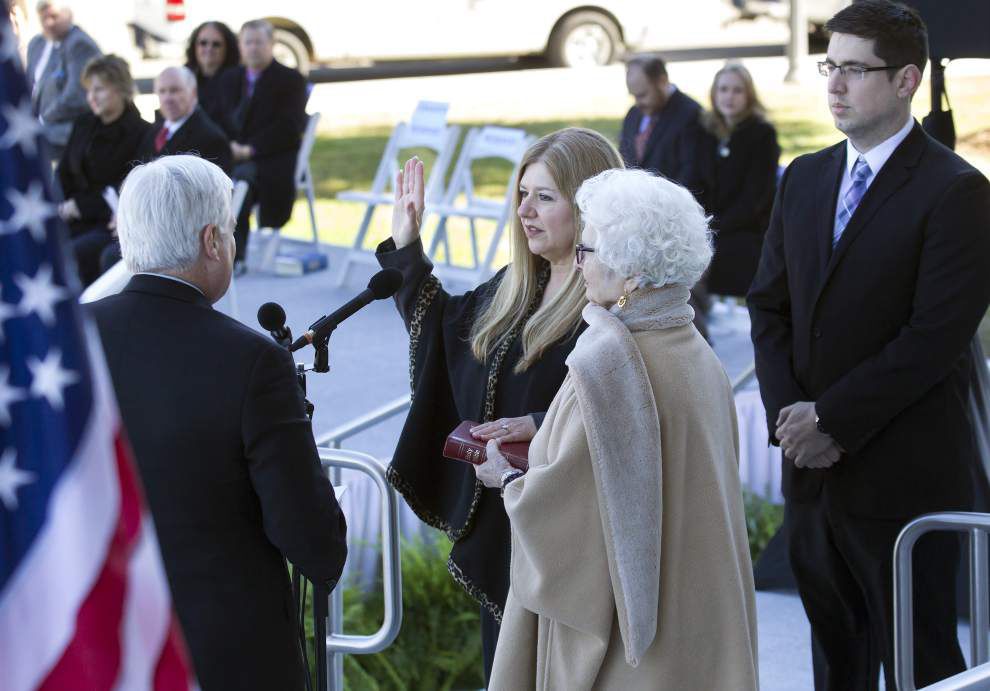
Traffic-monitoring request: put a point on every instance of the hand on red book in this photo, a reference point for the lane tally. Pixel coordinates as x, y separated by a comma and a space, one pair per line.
506, 429
490, 472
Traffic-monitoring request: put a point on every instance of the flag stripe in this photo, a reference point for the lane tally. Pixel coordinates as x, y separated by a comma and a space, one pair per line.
39, 606
174, 671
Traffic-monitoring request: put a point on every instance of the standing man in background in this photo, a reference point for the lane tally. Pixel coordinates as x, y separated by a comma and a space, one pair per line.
55, 61
265, 103
872, 282
655, 128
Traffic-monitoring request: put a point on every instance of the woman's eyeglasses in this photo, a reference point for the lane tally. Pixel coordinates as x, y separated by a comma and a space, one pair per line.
206, 43
579, 252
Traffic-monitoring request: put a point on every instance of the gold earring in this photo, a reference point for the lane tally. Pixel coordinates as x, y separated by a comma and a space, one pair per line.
621, 302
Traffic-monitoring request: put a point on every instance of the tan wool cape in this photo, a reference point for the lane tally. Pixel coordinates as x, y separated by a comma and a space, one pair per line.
630, 563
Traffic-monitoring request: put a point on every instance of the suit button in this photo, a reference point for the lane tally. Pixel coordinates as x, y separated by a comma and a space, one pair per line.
818, 333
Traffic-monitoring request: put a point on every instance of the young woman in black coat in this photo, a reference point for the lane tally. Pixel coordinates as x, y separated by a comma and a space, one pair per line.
735, 178
212, 48
101, 150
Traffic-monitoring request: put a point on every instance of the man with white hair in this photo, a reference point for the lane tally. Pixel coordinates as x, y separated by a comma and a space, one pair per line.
184, 127
218, 426
55, 61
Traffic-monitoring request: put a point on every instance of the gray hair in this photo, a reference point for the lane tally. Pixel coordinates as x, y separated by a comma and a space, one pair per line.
259, 25
649, 229
163, 207
186, 74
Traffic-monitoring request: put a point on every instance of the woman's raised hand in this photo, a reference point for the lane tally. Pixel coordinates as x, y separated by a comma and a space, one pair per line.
407, 213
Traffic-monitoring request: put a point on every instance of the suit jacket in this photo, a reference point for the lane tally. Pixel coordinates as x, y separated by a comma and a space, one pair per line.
198, 135
272, 121
877, 331
58, 96
737, 190
98, 156
230, 470
667, 149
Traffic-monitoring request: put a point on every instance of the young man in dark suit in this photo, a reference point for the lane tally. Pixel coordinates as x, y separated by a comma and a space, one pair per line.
265, 103
218, 426
871, 284
184, 127
654, 133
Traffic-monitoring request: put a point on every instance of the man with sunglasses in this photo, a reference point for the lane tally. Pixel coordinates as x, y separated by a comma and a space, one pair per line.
872, 282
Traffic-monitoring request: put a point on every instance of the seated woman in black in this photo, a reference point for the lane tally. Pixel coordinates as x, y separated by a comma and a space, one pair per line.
212, 48
736, 177
101, 150
494, 355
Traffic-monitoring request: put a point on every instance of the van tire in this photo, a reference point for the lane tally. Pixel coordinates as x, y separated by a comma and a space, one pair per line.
599, 32
291, 43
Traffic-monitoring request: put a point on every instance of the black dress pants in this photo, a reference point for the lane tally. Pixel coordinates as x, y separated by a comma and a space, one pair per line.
489, 638
248, 172
843, 566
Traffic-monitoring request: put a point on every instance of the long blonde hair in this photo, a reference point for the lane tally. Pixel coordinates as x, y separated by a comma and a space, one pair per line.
571, 155
713, 121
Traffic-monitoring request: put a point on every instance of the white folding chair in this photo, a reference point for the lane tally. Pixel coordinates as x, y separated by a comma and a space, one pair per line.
304, 183
426, 129
460, 200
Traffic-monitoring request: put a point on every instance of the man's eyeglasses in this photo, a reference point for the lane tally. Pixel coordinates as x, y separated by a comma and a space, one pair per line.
579, 251
206, 43
826, 69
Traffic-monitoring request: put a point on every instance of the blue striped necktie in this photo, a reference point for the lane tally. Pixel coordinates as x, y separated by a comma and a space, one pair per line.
850, 200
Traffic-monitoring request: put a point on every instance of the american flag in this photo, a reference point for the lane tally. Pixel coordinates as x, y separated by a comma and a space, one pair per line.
84, 602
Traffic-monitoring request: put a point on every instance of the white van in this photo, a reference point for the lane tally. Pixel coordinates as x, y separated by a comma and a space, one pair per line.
568, 32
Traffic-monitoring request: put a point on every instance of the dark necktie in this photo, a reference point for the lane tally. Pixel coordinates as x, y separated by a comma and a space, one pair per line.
160, 139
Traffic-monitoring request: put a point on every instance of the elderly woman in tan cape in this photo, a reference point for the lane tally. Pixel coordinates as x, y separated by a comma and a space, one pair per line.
630, 564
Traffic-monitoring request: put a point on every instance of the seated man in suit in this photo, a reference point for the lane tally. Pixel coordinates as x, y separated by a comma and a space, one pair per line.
218, 426
265, 103
184, 127
55, 61
654, 132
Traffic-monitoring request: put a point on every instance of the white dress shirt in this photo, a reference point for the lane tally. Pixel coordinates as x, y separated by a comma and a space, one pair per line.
875, 159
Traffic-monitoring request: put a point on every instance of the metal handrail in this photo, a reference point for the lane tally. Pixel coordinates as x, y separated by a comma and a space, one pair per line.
977, 525
334, 437
338, 643
747, 374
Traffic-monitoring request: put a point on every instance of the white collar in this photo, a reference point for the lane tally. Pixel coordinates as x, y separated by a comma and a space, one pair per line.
172, 278
173, 126
878, 155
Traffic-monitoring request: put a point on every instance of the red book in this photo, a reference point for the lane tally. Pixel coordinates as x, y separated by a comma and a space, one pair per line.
461, 446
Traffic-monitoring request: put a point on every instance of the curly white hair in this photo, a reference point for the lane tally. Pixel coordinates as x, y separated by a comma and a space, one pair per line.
649, 228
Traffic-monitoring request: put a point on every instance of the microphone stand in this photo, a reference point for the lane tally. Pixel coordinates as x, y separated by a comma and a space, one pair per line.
321, 594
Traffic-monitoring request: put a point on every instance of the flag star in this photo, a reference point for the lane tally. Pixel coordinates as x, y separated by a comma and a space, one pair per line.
40, 294
30, 211
8, 396
49, 379
11, 479
23, 128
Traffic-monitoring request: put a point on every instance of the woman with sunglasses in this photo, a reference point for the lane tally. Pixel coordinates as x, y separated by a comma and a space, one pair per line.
494, 355
212, 48
630, 561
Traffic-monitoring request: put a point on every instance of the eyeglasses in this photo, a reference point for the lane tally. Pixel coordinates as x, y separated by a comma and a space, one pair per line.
206, 43
579, 252
826, 69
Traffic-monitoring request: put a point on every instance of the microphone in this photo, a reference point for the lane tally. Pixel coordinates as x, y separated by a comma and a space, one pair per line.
383, 284
271, 316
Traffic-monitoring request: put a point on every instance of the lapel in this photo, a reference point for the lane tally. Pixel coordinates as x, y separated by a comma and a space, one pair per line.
825, 206
177, 142
662, 124
895, 173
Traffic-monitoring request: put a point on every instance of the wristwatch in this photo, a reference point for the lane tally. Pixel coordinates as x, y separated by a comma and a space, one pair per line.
818, 424
510, 475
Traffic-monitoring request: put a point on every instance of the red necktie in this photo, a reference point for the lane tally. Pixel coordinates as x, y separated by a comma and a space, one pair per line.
160, 139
